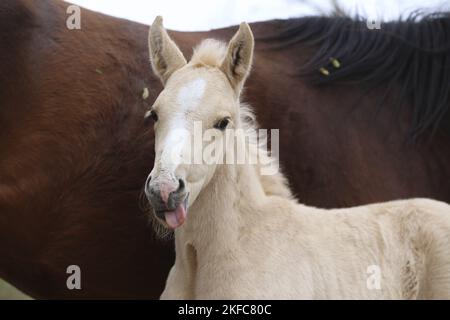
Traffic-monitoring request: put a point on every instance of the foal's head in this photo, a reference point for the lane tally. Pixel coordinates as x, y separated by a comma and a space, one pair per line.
201, 95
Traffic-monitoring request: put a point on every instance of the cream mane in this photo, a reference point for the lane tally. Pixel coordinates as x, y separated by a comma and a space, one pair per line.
272, 184
210, 53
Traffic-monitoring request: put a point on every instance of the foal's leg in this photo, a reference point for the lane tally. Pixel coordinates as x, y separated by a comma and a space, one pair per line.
180, 283
175, 287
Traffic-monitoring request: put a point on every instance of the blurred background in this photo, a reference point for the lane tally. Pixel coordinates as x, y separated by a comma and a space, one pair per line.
196, 15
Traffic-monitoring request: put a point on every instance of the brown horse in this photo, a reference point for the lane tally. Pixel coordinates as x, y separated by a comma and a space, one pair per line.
75, 149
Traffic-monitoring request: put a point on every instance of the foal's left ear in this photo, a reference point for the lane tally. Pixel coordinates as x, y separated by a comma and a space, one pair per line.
165, 56
239, 58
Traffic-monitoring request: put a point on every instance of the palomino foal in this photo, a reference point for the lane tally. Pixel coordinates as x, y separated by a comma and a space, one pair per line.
240, 241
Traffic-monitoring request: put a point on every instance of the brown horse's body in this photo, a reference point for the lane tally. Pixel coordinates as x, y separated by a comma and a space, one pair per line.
75, 149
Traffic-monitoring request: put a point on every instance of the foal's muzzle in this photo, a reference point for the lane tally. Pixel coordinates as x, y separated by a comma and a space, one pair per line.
168, 199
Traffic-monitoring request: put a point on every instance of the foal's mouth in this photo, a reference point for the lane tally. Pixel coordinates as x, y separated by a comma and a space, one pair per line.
174, 217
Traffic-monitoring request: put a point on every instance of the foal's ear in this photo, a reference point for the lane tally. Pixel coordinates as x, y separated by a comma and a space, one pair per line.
165, 56
238, 60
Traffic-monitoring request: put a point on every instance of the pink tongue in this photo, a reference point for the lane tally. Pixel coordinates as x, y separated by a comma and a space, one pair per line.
176, 218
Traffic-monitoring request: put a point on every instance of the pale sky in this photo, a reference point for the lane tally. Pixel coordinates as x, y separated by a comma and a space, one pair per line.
193, 15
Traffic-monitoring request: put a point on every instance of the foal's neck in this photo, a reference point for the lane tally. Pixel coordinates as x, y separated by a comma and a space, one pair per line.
228, 203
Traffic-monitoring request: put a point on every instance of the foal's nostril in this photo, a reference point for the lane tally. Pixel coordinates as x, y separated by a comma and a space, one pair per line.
181, 185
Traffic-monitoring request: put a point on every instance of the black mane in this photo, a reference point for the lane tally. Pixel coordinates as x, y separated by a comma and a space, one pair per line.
411, 54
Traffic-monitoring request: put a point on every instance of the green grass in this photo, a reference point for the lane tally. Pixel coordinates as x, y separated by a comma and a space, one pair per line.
8, 292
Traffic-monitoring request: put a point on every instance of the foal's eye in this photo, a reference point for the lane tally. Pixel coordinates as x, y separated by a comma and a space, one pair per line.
152, 115
222, 124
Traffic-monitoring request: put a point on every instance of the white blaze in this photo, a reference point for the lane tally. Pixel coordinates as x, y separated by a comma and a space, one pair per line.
178, 137
191, 94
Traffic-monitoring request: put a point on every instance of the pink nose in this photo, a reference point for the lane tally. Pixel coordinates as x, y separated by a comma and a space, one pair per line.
165, 190
166, 194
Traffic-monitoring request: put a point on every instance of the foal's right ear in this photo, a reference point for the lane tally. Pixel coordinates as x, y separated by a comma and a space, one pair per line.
238, 61
165, 56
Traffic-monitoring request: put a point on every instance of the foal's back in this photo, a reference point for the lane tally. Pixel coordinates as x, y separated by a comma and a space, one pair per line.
391, 250
407, 242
